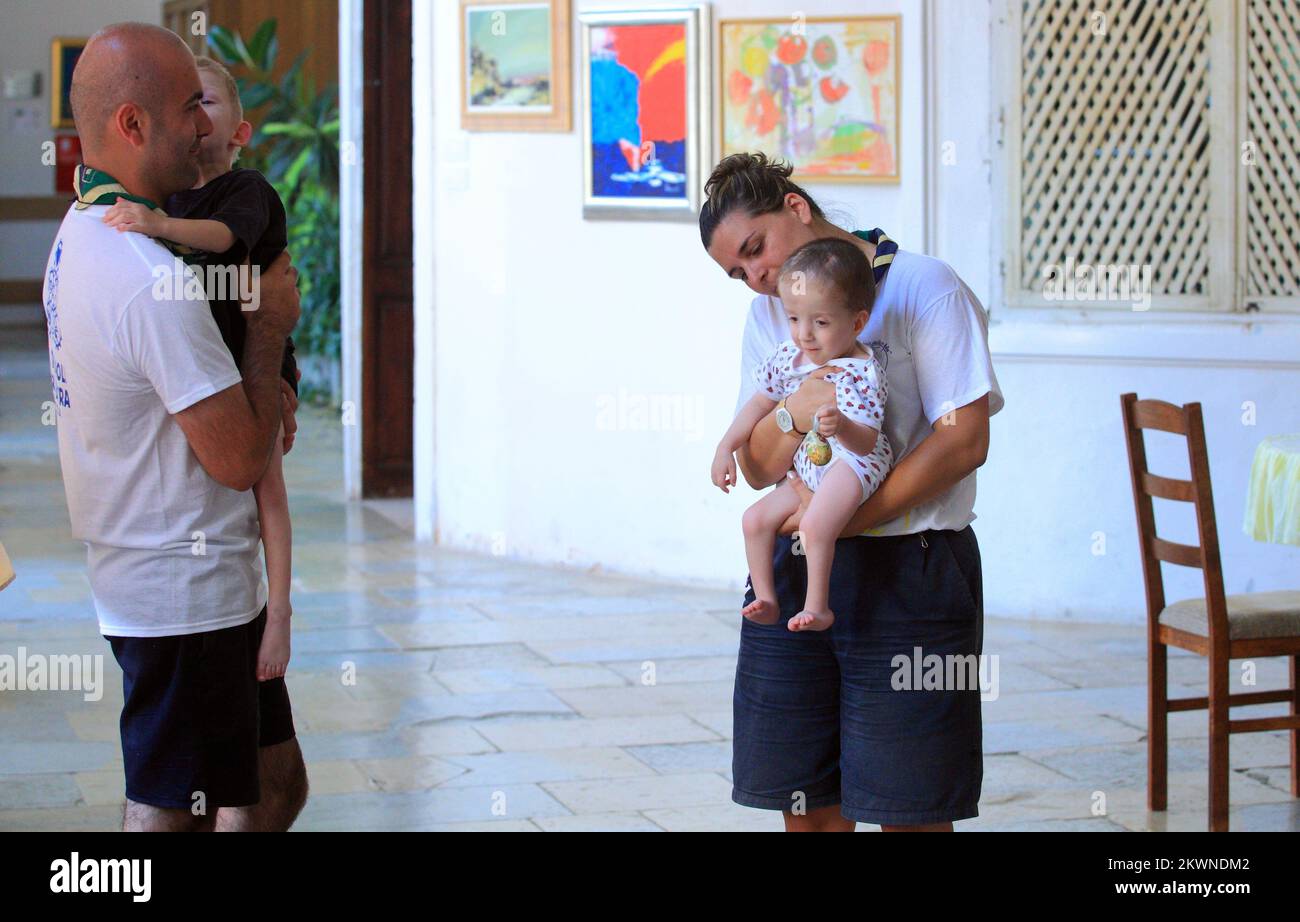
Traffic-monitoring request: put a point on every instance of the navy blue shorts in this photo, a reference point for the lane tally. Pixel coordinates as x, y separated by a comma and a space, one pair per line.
818, 719
194, 716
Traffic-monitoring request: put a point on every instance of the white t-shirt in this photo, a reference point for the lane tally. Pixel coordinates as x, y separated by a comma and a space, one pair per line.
169, 550
930, 333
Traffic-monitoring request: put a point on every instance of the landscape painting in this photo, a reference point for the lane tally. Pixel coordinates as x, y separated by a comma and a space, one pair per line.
643, 114
515, 65
820, 93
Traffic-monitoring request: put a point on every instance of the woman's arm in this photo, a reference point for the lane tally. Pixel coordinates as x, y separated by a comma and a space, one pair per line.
958, 445
769, 452
277, 533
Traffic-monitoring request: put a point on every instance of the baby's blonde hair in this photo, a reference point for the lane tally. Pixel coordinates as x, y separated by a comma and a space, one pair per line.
232, 88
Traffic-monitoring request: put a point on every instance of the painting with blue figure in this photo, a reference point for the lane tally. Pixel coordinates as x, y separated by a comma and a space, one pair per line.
623, 166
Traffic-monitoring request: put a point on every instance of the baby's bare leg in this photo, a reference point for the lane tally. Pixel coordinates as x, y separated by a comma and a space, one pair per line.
761, 522
837, 498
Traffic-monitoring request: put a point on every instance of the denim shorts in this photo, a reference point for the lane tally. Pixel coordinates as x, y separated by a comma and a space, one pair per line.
194, 716
828, 717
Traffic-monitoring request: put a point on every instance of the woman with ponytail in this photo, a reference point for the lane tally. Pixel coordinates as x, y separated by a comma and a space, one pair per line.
855, 723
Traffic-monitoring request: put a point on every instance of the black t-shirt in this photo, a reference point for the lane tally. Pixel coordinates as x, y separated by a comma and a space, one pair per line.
247, 204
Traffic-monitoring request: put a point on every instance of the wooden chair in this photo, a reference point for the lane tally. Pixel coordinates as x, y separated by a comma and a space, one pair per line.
1217, 627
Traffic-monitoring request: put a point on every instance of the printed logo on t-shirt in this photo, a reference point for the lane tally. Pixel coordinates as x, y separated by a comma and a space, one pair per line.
58, 379
881, 349
52, 297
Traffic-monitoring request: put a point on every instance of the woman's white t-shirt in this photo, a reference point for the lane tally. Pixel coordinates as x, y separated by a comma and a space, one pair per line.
930, 333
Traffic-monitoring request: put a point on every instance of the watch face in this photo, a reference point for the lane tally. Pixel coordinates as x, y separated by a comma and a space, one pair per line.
783, 420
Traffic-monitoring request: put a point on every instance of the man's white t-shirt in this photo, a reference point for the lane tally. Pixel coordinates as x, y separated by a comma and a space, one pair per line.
169, 550
930, 332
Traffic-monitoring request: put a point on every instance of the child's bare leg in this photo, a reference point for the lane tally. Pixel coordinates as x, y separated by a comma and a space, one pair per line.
761, 522
277, 544
837, 498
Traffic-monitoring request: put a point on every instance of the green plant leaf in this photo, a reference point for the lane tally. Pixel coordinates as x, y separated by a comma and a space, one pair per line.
257, 94
223, 43
291, 129
261, 40
289, 81
295, 169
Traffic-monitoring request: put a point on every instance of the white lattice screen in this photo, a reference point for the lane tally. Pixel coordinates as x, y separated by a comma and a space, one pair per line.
1272, 100
1114, 137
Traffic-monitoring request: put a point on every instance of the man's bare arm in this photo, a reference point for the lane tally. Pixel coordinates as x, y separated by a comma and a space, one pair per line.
231, 432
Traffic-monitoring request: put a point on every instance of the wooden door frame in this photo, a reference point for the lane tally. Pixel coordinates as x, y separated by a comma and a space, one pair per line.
365, 473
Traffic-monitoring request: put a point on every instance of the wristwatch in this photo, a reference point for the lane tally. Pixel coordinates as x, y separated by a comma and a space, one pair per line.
784, 421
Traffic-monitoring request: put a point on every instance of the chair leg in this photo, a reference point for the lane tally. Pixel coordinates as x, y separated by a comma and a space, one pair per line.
1295, 734
1157, 728
1219, 691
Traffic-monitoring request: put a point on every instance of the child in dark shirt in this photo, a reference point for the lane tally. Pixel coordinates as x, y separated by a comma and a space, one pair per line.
232, 216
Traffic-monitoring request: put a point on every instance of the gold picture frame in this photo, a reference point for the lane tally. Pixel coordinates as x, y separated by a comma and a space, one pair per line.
733, 97
489, 102
63, 60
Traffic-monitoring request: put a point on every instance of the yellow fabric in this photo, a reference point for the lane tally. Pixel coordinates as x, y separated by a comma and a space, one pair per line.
1273, 501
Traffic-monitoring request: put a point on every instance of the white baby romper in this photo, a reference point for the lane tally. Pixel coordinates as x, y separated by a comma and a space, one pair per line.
860, 394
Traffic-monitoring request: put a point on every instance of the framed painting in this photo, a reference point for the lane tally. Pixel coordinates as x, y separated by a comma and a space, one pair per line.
819, 92
646, 114
514, 65
64, 53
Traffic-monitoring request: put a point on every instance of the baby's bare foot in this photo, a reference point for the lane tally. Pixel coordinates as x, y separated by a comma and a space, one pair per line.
811, 621
761, 611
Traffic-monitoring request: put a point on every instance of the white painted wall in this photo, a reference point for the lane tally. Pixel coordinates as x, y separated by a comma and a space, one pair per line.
541, 315
25, 34
530, 320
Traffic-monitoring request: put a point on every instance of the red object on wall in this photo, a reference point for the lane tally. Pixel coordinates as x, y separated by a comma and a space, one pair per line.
67, 154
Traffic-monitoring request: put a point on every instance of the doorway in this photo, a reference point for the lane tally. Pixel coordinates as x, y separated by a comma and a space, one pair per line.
387, 302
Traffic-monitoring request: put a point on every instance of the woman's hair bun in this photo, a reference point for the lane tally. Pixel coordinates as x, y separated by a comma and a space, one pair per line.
753, 182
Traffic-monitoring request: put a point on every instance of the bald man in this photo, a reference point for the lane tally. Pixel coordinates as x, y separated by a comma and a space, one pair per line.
161, 441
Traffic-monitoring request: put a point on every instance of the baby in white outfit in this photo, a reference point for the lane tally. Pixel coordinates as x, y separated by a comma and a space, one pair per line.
827, 289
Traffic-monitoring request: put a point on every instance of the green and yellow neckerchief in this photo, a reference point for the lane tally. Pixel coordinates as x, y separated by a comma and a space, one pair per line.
885, 250
95, 187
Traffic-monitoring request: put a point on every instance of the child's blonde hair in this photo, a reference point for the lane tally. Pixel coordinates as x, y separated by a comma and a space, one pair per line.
232, 88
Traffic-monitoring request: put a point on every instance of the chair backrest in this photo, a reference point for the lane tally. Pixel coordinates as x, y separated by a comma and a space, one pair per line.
1187, 422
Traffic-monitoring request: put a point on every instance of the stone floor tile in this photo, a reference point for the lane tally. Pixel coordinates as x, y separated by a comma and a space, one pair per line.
408, 773
25, 792
724, 817
682, 758
641, 793
545, 765
507, 678
648, 699
516, 735
598, 822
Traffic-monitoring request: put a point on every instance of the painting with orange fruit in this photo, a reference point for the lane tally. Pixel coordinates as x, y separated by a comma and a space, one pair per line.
819, 93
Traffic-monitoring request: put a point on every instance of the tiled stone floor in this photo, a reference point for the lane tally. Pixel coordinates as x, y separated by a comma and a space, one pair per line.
491, 694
